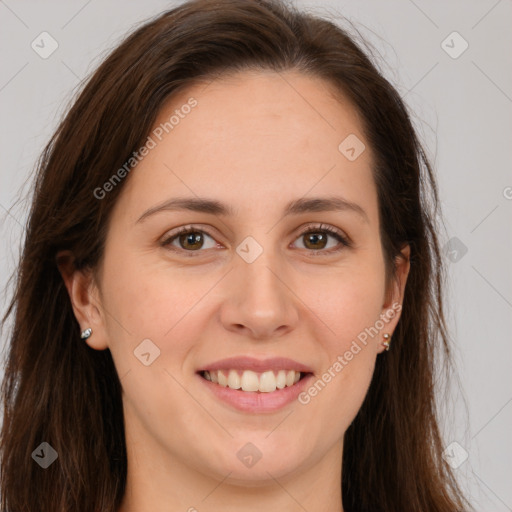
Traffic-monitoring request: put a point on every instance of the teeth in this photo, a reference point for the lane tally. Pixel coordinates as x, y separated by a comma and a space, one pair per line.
281, 379
247, 380
234, 381
250, 381
223, 381
267, 382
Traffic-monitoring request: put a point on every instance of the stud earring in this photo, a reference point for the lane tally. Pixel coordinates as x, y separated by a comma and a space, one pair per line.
387, 339
86, 334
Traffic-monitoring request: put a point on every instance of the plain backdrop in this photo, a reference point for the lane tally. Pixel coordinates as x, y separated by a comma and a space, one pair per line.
450, 61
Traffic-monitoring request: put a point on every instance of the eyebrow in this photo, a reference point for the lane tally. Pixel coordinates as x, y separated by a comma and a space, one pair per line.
296, 207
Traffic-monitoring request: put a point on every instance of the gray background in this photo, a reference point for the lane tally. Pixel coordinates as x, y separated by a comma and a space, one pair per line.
462, 109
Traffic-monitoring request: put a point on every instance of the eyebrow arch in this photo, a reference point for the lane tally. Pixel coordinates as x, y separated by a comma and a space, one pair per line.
296, 207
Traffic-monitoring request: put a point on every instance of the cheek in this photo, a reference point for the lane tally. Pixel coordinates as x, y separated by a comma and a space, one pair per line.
144, 302
349, 305
150, 298
348, 302
165, 308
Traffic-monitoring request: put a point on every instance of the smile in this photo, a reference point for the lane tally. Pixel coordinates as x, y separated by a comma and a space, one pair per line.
251, 381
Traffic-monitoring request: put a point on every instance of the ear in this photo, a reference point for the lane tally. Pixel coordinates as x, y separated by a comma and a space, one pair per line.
392, 307
84, 295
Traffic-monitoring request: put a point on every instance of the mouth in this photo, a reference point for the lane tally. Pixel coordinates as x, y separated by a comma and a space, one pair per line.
254, 385
249, 381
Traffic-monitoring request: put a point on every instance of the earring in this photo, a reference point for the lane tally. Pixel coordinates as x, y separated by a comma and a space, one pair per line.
86, 334
387, 339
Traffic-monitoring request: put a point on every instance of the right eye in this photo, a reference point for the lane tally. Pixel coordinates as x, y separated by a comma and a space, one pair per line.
188, 239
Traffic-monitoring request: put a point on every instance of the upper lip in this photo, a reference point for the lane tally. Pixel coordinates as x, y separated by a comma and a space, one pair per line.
257, 365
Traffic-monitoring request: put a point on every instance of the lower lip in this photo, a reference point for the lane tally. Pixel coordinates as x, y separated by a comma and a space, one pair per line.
254, 401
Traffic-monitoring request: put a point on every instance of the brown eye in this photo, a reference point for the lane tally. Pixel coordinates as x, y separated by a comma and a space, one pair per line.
316, 239
188, 240
192, 240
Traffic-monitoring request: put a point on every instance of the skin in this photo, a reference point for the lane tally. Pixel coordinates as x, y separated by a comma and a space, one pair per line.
255, 141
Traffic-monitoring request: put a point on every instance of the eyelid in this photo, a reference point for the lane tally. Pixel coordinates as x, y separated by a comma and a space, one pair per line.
342, 238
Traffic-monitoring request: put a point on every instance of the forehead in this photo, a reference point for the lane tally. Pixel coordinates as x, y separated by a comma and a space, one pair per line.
254, 137
285, 106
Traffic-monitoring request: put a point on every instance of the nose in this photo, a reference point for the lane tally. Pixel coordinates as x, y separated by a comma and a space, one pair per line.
259, 303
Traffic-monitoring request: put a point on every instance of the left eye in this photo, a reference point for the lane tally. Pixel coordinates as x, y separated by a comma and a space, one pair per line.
317, 239
192, 240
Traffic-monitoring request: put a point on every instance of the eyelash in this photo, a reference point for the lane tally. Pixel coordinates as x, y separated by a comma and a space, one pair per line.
345, 243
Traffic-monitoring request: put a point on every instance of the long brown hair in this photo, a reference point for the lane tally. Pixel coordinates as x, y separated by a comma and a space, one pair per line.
58, 390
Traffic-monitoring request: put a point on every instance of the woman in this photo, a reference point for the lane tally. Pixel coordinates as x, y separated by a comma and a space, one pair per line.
230, 290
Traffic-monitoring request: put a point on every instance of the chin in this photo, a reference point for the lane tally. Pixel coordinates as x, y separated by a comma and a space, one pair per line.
257, 463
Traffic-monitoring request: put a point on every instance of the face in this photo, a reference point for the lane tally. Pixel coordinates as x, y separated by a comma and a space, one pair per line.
265, 283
